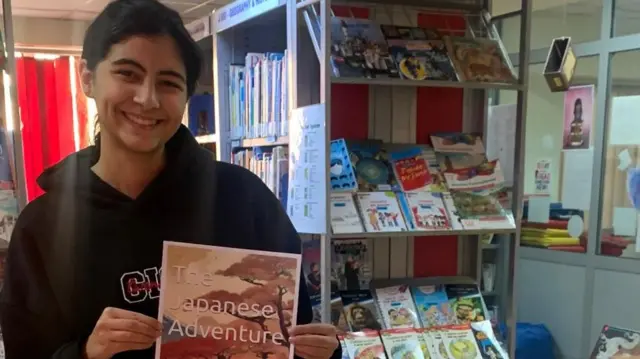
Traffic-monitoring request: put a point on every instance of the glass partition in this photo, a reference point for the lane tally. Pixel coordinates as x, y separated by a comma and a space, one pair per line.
621, 186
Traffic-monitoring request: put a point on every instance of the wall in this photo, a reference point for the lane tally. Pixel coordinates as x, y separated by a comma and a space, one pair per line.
573, 294
49, 32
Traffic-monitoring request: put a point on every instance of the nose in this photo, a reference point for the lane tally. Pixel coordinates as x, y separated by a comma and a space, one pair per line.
147, 96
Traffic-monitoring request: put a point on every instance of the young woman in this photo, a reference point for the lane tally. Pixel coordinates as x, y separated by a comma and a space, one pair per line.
82, 271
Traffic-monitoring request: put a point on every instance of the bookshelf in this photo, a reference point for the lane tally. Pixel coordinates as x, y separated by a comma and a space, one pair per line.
392, 110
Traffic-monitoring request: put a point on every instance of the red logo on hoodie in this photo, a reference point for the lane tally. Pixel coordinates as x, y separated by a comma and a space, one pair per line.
138, 286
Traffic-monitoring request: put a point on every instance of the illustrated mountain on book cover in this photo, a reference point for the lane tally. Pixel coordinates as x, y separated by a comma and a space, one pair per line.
226, 303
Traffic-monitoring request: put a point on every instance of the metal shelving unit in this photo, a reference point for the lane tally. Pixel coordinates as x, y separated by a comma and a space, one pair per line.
276, 25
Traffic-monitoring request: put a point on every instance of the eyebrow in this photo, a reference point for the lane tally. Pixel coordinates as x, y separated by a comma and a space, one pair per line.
130, 62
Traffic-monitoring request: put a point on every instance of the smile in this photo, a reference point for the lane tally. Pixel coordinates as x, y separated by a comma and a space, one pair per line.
140, 120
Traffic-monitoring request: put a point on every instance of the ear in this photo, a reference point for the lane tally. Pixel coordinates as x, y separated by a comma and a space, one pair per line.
86, 78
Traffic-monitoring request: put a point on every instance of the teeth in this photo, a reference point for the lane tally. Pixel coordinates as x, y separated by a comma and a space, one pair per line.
141, 120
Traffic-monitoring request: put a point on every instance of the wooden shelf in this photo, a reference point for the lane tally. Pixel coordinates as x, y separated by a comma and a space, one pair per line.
422, 233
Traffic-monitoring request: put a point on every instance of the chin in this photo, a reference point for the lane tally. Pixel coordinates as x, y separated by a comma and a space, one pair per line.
141, 144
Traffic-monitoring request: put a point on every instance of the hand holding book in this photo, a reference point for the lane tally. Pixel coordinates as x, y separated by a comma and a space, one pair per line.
120, 330
314, 341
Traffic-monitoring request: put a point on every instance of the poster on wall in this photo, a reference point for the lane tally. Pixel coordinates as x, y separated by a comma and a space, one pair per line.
578, 117
306, 203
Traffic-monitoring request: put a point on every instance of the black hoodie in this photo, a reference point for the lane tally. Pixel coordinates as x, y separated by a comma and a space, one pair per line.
76, 249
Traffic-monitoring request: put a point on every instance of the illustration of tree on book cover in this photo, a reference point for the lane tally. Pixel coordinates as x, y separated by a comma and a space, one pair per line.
226, 303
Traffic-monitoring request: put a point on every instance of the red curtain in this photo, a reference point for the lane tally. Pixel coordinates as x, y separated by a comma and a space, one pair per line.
46, 104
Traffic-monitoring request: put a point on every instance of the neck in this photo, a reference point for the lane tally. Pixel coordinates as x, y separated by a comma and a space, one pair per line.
127, 171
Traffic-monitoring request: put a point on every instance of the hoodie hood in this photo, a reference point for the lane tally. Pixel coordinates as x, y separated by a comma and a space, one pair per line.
73, 175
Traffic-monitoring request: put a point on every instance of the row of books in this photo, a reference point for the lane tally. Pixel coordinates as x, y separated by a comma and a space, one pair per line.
364, 48
258, 96
469, 341
271, 164
406, 305
380, 187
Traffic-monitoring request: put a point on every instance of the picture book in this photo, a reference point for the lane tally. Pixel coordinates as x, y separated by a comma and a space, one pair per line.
342, 173
467, 303
381, 212
396, 307
402, 344
411, 169
419, 54
358, 49
361, 310
351, 263
432, 305
460, 342
217, 301
471, 173
617, 342
486, 340
455, 142
364, 345
479, 60
371, 162
480, 212
344, 214
424, 211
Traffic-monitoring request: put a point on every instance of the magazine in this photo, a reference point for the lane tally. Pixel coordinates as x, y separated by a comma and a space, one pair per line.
217, 301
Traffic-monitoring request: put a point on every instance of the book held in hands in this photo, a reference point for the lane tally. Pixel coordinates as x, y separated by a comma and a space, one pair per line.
226, 302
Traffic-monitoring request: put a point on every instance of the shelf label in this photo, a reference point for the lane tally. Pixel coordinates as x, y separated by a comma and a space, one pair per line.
199, 29
242, 10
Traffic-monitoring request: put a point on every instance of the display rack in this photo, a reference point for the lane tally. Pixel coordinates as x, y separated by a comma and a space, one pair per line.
392, 110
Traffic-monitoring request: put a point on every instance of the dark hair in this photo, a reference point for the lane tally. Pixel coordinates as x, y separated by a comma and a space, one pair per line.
122, 19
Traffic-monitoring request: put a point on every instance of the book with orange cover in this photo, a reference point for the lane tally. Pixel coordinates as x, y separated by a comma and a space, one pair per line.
226, 302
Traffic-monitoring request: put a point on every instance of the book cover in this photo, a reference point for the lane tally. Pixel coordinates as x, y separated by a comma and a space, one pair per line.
360, 310
420, 54
396, 307
616, 343
411, 169
467, 303
358, 49
403, 343
433, 306
222, 302
364, 345
424, 211
352, 263
460, 342
344, 214
381, 212
479, 60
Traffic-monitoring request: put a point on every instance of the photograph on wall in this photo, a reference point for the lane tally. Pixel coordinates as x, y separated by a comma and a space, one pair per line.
578, 117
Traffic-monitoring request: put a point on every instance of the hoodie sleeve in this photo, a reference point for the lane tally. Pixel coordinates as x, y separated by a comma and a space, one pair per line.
24, 303
275, 222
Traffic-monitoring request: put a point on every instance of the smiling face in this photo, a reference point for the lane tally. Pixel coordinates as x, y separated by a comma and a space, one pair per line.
140, 93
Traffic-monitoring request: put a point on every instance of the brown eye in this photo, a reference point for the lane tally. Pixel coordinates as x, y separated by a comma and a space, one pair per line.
126, 74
